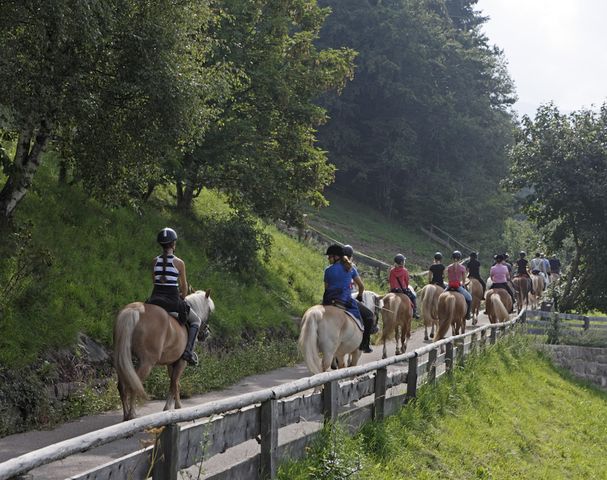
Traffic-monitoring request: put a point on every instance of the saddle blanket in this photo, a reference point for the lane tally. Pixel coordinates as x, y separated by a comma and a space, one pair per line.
358, 322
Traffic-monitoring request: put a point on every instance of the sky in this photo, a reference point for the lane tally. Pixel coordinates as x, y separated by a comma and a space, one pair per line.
556, 50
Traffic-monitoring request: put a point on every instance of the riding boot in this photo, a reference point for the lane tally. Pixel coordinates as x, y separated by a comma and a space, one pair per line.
190, 355
468, 307
364, 345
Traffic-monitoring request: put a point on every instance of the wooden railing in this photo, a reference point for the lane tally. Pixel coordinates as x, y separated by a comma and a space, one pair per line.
230, 422
446, 239
539, 322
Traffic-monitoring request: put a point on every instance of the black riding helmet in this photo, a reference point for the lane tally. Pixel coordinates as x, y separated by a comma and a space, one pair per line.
522, 254
166, 236
438, 256
456, 255
473, 255
399, 259
499, 258
335, 250
348, 250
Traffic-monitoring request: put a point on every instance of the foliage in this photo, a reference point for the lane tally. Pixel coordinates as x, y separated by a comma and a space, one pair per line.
535, 421
261, 150
561, 163
421, 130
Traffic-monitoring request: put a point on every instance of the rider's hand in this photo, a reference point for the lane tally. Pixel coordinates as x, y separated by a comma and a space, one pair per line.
359, 297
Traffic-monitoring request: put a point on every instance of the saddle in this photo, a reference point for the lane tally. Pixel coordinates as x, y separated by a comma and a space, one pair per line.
342, 306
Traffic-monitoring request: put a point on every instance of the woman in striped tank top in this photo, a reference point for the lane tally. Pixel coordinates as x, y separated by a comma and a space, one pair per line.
170, 288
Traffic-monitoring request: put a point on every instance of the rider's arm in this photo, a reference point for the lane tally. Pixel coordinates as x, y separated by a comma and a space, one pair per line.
183, 281
360, 285
153, 272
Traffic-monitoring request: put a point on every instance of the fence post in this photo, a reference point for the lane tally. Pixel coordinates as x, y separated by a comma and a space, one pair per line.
449, 357
269, 438
329, 400
412, 378
461, 351
432, 354
483, 341
472, 342
493, 337
586, 323
166, 454
381, 375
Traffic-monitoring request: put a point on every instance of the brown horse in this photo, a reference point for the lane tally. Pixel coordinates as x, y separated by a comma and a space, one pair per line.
521, 288
428, 301
476, 290
451, 313
155, 338
397, 313
328, 332
538, 290
498, 302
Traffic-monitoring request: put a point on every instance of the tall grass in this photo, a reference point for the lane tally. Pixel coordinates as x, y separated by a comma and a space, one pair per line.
508, 414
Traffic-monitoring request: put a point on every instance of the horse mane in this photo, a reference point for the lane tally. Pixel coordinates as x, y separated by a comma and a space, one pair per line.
199, 301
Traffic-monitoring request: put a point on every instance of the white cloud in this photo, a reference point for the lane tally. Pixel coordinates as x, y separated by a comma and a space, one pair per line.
555, 49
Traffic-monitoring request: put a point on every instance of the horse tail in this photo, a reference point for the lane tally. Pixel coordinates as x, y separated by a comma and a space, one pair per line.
498, 308
428, 307
123, 333
308, 340
446, 319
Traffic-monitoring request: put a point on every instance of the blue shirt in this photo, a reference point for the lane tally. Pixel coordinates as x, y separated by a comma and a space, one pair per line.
339, 280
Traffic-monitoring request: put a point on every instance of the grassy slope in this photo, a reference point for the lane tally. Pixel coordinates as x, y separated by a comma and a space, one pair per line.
508, 414
372, 233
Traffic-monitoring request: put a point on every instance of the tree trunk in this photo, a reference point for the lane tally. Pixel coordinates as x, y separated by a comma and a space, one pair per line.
27, 159
185, 196
567, 299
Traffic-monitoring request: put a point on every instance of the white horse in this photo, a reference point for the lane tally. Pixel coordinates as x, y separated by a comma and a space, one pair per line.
328, 332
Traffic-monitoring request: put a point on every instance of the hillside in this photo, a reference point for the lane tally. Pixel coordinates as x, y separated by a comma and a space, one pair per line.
508, 414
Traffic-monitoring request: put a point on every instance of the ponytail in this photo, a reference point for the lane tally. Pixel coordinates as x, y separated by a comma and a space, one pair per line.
347, 263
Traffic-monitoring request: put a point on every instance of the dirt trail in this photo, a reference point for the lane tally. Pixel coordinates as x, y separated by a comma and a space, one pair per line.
15, 445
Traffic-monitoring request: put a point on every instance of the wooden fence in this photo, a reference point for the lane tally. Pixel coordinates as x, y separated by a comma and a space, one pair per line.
540, 322
446, 239
227, 423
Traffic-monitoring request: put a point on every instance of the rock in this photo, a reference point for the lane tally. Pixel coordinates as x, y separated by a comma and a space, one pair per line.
94, 352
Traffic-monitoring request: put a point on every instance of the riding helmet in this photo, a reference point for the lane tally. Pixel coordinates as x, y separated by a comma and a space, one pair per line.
348, 250
522, 254
438, 256
473, 255
166, 236
335, 250
499, 258
457, 255
399, 259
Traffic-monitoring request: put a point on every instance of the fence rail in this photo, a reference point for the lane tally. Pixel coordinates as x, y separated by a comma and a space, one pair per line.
259, 415
540, 322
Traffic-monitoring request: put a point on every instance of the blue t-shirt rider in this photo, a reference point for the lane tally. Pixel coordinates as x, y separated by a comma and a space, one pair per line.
338, 279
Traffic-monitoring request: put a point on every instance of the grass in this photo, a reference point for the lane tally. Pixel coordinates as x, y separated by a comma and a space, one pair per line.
509, 413
372, 233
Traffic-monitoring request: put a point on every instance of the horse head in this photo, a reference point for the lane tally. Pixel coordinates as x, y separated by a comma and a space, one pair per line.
203, 305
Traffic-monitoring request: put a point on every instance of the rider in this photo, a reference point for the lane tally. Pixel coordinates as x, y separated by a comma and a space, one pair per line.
338, 277
500, 276
399, 281
537, 267
368, 316
456, 274
473, 267
436, 274
522, 269
170, 289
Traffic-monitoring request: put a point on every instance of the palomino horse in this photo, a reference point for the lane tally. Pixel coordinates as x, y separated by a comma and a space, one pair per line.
476, 290
498, 302
538, 290
329, 332
451, 312
521, 288
397, 315
155, 338
428, 301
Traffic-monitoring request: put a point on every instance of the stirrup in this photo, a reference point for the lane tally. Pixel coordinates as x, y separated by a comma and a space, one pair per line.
190, 357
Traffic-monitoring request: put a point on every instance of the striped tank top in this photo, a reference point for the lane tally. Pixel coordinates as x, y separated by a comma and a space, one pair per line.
166, 274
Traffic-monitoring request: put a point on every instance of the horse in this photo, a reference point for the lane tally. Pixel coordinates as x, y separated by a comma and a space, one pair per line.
451, 312
329, 332
155, 338
538, 290
397, 315
476, 290
521, 288
498, 302
428, 300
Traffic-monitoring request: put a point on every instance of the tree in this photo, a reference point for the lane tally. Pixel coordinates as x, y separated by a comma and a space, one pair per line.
422, 129
116, 85
261, 150
561, 163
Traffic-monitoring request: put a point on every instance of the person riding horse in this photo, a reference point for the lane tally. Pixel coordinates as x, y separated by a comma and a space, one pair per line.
522, 269
456, 274
474, 266
436, 272
338, 278
171, 287
398, 279
500, 276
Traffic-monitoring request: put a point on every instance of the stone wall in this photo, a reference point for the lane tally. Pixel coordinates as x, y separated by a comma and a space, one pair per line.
587, 363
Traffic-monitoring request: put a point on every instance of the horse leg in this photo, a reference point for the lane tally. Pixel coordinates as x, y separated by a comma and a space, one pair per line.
354, 356
176, 371
426, 338
142, 372
385, 351
124, 399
